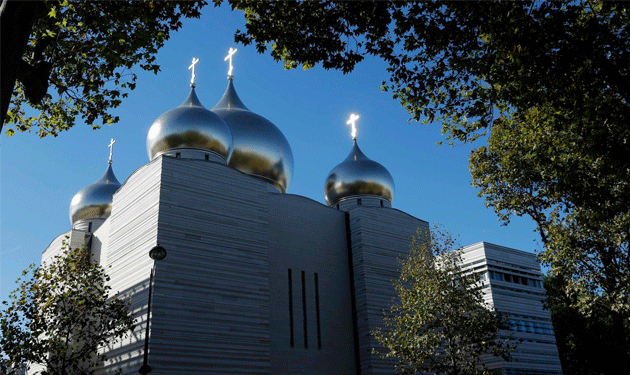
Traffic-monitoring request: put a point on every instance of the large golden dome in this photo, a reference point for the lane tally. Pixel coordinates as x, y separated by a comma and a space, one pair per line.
260, 148
94, 201
190, 127
358, 176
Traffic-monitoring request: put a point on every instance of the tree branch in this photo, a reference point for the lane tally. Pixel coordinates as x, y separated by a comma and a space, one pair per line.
34, 79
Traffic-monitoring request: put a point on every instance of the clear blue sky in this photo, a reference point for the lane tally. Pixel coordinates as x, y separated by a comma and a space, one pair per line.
39, 177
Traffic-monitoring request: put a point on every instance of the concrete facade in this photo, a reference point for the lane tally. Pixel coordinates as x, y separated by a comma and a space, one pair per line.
255, 281
512, 285
260, 282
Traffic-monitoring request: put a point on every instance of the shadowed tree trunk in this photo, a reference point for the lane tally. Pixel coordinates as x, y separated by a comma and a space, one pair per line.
16, 23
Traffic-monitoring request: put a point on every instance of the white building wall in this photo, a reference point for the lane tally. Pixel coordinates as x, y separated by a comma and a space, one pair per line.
210, 309
380, 237
306, 237
212, 290
223, 299
99, 241
132, 233
72, 239
512, 283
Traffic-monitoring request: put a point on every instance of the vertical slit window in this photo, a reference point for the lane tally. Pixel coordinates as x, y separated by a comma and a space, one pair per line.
291, 343
304, 309
359, 202
319, 329
207, 157
89, 227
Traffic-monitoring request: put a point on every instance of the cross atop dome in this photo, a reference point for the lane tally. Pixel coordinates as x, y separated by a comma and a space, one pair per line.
352, 121
192, 67
111, 150
231, 53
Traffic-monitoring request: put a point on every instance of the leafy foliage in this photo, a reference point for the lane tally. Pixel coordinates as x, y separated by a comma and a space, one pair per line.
60, 315
578, 193
85, 51
572, 181
462, 63
440, 323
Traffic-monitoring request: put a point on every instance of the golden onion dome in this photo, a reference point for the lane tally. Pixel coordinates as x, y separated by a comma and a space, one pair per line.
190, 126
358, 176
260, 148
94, 201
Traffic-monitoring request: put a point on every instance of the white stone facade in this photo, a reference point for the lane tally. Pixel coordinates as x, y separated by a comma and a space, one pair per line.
512, 285
255, 281
260, 282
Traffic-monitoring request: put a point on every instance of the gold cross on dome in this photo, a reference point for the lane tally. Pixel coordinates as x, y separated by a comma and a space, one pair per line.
231, 53
192, 67
352, 121
111, 149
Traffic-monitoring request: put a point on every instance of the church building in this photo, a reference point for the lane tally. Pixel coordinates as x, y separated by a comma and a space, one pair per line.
255, 280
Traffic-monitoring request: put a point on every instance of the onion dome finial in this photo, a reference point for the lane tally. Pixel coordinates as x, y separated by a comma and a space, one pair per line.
94, 202
352, 121
192, 67
111, 150
231, 53
358, 176
190, 128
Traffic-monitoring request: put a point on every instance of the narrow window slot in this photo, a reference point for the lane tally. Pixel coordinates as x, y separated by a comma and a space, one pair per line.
291, 342
359, 202
319, 329
304, 309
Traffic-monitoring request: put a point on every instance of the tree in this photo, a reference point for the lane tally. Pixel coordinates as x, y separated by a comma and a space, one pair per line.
583, 341
577, 190
83, 51
462, 63
440, 323
60, 315
548, 82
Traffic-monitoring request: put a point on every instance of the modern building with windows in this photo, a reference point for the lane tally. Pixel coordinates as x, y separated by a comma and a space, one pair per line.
512, 285
256, 281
